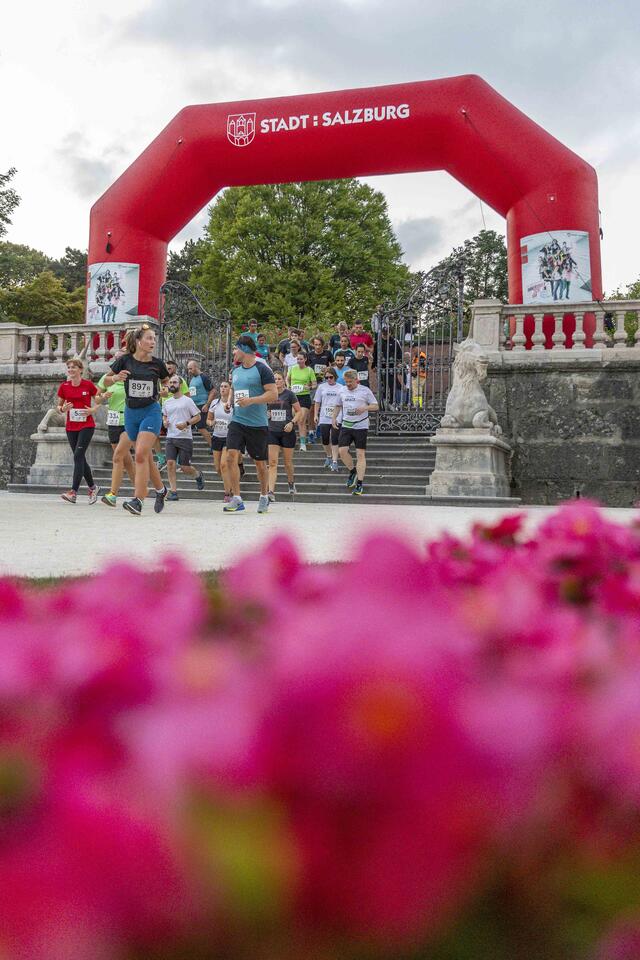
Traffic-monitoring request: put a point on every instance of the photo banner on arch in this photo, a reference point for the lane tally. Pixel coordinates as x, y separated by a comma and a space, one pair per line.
113, 292
556, 267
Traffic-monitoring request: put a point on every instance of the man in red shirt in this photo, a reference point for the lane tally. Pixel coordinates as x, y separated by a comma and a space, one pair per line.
360, 335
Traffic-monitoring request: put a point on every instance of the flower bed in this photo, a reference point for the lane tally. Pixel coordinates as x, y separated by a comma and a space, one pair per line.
433, 756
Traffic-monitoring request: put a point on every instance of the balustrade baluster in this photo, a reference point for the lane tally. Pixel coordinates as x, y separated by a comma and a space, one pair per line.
559, 337
599, 336
579, 336
537, 337
636, 336
620, 335
519, 339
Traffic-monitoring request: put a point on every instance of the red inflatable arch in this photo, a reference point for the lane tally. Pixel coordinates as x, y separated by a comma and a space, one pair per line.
459, 124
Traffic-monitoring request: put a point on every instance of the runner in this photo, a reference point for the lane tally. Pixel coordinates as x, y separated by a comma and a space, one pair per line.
344, 349
301, 380
117, 399
319, 358
283, 416
179, 415
202, 392
289, 359
253, 388
142, 374
361, 365
74, 399
218, 420
360, 335
325, 400
334, 340
340, 365
356, 403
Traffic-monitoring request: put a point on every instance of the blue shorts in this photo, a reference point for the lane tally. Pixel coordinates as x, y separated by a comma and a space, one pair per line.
143, 419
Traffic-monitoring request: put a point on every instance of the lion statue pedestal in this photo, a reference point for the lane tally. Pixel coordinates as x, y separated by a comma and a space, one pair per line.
472, 458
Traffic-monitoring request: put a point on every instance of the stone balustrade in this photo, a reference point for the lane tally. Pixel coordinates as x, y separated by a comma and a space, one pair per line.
556, 329
22, 345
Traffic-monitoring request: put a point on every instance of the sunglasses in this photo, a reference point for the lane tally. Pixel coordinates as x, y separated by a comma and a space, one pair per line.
330, 376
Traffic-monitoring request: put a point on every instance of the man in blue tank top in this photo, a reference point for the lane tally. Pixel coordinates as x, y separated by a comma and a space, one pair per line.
254, 386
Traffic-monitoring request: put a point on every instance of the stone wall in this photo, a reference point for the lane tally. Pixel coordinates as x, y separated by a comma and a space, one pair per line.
574, 423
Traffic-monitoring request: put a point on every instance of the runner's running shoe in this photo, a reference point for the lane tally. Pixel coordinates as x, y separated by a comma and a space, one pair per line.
327, 463
200, 481
235, 505
69, 496
303, 444
159, 504
172, 496
292, 488
351, 479
161, 460
272, 496
334, 466
93, 493
226, 498
358, 490
263, 504
134, 506
109, 499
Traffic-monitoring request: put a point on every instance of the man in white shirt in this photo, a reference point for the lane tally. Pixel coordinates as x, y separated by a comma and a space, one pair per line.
179, 414
356, 403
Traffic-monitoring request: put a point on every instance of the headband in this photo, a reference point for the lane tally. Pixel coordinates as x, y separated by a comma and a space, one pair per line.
245, 348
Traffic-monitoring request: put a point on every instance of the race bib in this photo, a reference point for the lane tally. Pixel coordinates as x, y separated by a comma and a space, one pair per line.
351, 412
363, 374
328, 411
318, 368
239, 395
113, 418
78, 415
297, 387
140, 389
278, 416
192, 392
220, 428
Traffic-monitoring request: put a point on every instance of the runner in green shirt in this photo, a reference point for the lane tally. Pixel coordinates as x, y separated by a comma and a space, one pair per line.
116, 397
301, 381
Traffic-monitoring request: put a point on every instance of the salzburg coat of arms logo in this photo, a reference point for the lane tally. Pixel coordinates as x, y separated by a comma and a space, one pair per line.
241, 128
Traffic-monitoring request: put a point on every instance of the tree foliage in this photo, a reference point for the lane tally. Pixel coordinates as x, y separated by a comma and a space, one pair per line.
183, 263
43, 300
302, 253
20, 264
9, 200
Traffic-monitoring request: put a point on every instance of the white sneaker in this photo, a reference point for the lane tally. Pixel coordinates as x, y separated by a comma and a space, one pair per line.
93, 493
263, 504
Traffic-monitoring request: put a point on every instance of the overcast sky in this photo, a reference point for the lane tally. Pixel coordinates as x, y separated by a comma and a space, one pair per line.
83, 91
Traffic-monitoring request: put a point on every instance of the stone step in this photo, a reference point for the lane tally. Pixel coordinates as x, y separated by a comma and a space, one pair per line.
329, 483
345, 497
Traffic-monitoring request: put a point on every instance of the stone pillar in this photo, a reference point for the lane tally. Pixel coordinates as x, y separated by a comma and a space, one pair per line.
53, 464
9, 345
470, 462
486, 325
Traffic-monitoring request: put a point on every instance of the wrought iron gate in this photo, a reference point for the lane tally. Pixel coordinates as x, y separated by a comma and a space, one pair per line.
413, 359
191, 328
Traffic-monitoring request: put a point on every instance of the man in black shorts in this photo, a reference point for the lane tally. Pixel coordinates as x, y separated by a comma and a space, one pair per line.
356, 403
253, 388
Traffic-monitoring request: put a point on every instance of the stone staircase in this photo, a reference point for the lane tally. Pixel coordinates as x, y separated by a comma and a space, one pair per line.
398, 468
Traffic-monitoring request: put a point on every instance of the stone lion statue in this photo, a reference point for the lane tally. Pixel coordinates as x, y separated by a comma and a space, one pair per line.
467, 405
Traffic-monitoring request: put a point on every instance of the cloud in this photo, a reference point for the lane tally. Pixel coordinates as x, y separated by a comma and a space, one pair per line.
419, 237
558, 63
89, 175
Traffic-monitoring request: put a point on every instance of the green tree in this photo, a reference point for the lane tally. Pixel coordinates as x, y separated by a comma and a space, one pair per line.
9, 199
183, 263
303, 253
20, 264
630, 292
71, 268
43, 300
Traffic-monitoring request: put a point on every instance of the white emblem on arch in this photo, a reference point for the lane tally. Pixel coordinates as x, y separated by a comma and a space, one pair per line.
241, 128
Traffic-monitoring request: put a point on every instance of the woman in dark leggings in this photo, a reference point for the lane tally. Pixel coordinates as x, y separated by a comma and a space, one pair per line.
74, 399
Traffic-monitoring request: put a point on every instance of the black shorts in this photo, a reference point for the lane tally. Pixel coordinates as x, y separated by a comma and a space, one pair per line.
254, 438
180, 450
203, 421
285, 440
304, 399
218, 443
348, 434
115, 433
329, 434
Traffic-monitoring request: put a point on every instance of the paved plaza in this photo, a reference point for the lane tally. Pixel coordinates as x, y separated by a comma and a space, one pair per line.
43, 536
